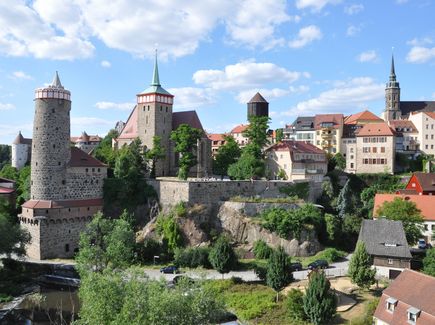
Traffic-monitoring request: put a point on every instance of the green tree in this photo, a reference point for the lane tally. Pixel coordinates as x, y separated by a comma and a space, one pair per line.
360, 270
130, 164
23, 186
128, 297
333, 227
222, 257
295, 305
9, 172
319, 301
344, 201
155, 154
5, 155
429, 262
262, 250
104, 151
186, 138
247, 167
169, 229
256, 132
279, 135
278, 273
340, 161
408, 213
227, 154
13, 238
105, 243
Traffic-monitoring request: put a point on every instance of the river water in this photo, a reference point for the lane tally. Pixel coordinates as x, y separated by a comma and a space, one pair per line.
49, 306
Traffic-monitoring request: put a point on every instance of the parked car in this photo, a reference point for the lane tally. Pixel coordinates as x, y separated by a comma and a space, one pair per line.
422, 244
296, 267
171, 269
318, 264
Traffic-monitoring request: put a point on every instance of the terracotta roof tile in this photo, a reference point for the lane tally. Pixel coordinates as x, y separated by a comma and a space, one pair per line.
6, 190
375, 129
426, 180
239, 128
402, 124
431, 114
130, 128
47, 204
410, 289
296, 147
216, 136
425, 203
361, 116
80, 158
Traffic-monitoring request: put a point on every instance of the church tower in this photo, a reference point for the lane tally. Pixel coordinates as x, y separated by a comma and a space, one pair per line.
51, 141
154, 107
392, 96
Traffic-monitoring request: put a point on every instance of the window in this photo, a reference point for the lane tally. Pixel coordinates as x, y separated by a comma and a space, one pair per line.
426, 146
391, 304
351, 156
351, 150
390, 261
366, 149
382, 149
413, 314
67, 248
351, 165
374, 150
427, 136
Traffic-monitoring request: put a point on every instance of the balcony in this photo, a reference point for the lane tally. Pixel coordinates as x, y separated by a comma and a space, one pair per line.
298, 171
314, 171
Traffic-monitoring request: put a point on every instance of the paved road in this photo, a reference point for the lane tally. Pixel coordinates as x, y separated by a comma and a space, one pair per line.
335, 269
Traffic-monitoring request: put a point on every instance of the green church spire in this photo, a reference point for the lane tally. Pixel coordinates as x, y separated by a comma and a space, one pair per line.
156, 80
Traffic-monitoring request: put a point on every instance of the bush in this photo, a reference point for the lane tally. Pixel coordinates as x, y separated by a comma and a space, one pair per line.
262, 250
180, 209
295, 305
148, 249
333, 255
192, 257
301, 190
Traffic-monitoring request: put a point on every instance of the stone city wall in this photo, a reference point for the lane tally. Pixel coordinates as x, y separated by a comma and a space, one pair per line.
171, 192
85, 183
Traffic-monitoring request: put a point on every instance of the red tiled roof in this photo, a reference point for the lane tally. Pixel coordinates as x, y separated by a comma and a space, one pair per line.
426, 180
48, 204
410, 289
21, 140
6, 190
396, 124
216, 136
425, 203
361, 116
187, 117
430, 114
80, 158
336, 119
295, 147
130, 128
375, 129
239, 128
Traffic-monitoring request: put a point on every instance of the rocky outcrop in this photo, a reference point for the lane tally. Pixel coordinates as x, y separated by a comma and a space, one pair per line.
236, 218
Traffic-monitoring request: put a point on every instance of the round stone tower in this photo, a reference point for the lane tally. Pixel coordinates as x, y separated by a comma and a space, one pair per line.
51, 141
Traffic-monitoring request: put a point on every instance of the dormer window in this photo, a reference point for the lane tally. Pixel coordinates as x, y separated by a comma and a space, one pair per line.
391, 304
413, 314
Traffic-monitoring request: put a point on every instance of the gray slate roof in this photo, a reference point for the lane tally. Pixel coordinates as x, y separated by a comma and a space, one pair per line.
304, 123
376, 233
406, 107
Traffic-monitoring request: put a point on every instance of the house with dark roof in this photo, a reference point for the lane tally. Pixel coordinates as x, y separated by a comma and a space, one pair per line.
297, 160
386, 243
153, 116
425, 203
302, 129
406, 136
408, 300
86, 142
7, 190
421, 183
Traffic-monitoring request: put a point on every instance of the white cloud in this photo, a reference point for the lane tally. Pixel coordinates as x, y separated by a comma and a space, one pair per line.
105, 64
65, 29
9, 131
23, 31
269, 94
314, 5
420, 41
420, 54
345, 97
21, 75
354, 8
110, 105
305, 36
191, 97
245, 75
6, 106
254, 23
368, 56
352, 30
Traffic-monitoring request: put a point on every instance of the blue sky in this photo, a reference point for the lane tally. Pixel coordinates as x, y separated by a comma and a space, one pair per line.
304, 56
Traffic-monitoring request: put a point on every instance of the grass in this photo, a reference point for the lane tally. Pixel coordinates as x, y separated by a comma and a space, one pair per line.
329, 254
252, 199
